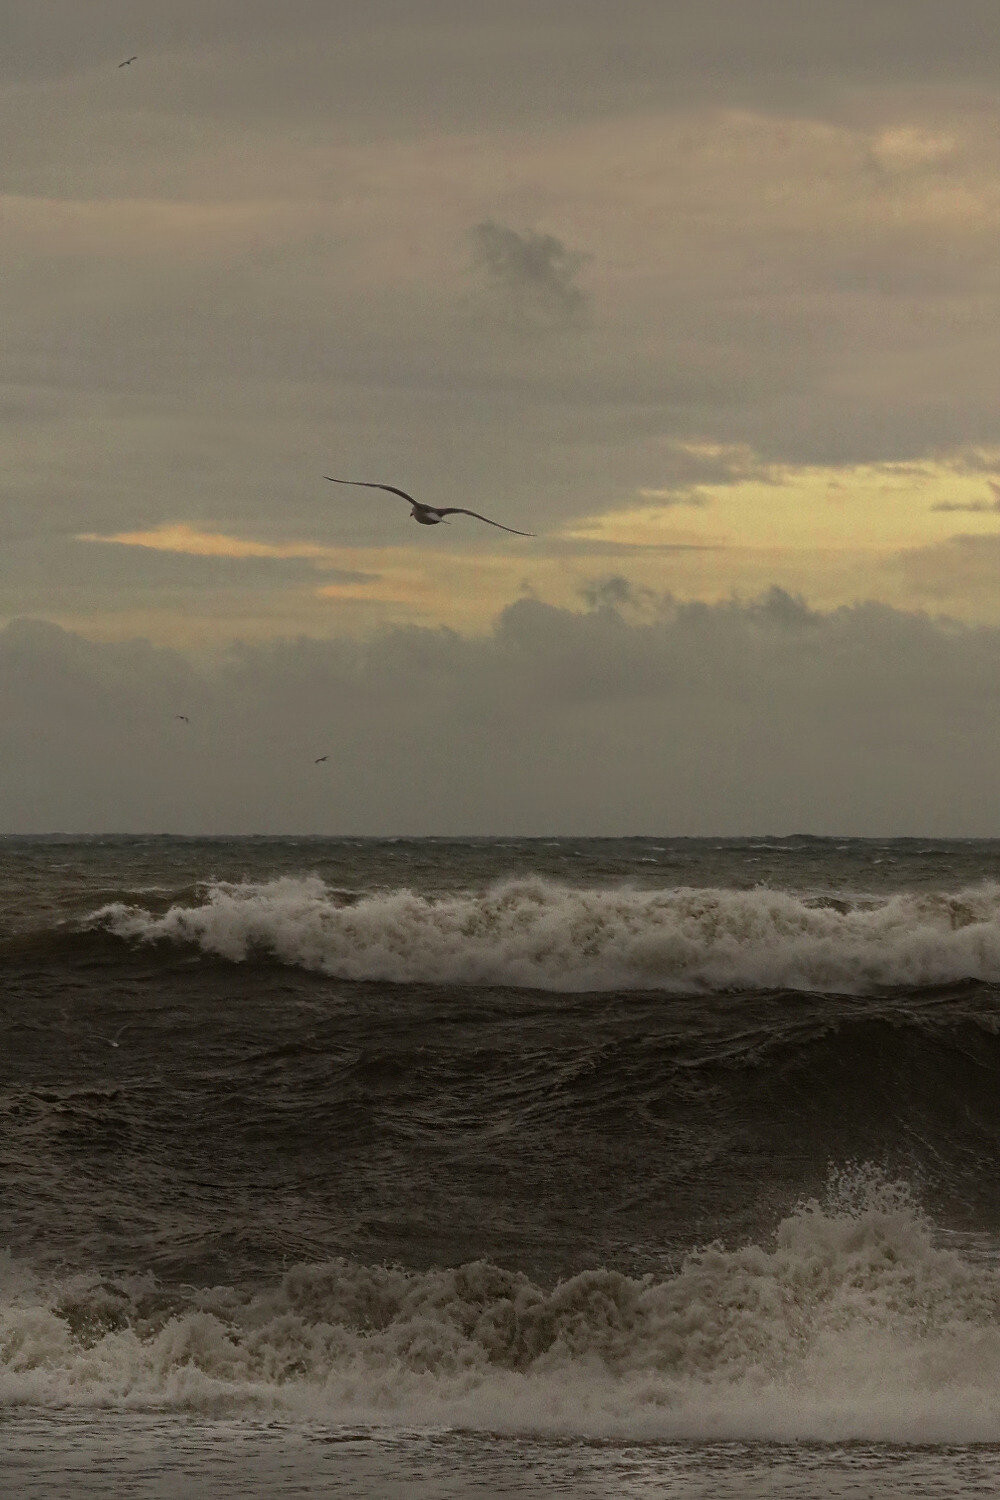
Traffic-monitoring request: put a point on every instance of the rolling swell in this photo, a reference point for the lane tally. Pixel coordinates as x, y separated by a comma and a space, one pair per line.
226, 1117
535, 934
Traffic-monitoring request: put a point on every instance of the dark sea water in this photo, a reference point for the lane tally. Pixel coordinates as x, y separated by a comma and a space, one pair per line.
488, 1167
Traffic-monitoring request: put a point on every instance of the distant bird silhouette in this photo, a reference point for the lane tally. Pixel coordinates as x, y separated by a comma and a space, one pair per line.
129, 60
320, 758
183, 718
427, 515
112, 1041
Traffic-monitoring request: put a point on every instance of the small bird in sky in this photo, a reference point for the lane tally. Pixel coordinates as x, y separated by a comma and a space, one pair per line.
320, 758
129, 60
183, 718
427, 515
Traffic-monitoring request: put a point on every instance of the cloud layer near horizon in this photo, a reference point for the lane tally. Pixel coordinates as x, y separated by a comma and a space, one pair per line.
637, 714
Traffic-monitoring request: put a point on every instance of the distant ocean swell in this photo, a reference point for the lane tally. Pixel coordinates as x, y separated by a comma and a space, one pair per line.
853, 1322
540, 935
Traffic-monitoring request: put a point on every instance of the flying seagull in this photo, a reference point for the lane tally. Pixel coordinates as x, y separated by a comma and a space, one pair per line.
319, 758
129, 60
182, 717
427, 515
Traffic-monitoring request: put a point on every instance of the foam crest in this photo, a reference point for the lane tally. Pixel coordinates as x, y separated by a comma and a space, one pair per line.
852, 1323
537, 934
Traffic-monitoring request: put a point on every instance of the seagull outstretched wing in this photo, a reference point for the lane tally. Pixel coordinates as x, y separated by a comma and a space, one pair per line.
367, 484
129, 60
457, 510
437, 510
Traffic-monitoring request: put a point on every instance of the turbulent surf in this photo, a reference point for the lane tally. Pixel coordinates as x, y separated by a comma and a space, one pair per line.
634, 1137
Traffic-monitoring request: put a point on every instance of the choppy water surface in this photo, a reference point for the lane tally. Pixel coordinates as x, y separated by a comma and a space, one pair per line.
144, 1457
571, 1166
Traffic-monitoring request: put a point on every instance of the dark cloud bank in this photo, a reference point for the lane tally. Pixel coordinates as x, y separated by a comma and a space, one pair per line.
635, 715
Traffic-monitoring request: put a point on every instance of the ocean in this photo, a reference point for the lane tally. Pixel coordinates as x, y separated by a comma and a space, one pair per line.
489, 1167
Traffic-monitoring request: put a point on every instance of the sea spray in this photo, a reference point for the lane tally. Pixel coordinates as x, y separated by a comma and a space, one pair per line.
851, 1322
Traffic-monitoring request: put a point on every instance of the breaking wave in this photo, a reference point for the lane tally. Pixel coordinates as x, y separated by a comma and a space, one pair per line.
853, 1322
540, 935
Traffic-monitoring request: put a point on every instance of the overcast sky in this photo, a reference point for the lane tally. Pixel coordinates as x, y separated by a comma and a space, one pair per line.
704, 292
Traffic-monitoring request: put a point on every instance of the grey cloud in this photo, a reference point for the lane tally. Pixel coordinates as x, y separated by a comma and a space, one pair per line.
755, 280
614, 591
187, 596
968, 461
204, 345
968, 507
535, 271
973, 506
758, 716
686, 469
959, 571
611, 591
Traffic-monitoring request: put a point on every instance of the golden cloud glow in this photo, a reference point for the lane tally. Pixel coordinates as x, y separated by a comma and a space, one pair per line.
186, 539
902, 532
878, 507
417, 583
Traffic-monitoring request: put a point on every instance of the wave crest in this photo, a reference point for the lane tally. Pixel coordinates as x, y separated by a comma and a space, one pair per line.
852, 1323
539, 935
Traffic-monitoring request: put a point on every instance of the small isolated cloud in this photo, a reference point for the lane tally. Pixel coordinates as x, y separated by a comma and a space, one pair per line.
532, 273
973, 507
615, 591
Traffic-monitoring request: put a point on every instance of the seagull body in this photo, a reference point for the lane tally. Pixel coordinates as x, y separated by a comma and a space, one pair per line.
129, 60
426, 515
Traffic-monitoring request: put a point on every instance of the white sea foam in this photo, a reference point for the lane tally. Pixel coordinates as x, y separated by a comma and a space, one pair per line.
538, 934
852, 1323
